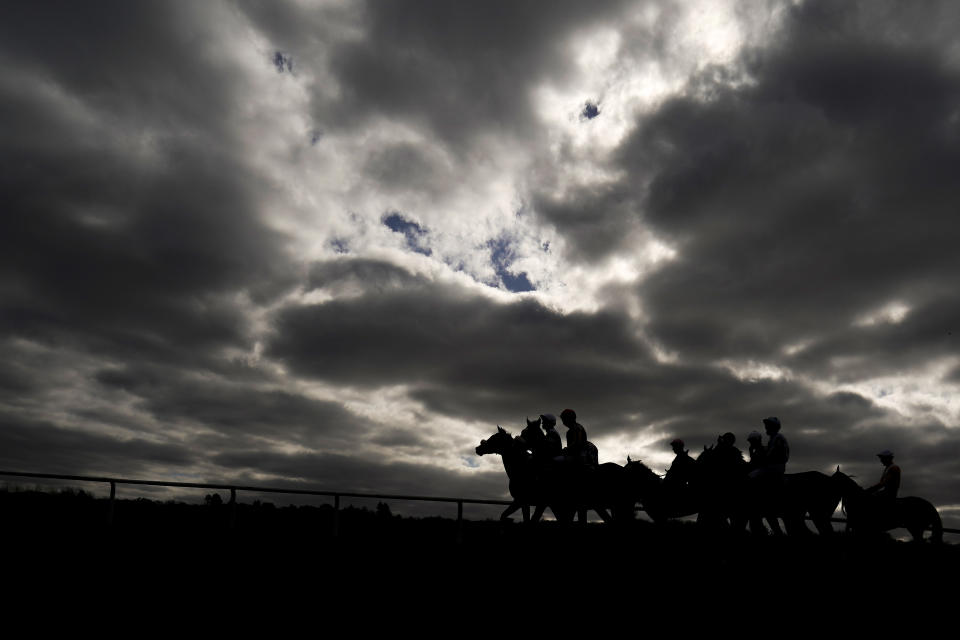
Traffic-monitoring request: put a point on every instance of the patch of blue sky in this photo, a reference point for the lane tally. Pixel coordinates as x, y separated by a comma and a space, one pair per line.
502, 255
282, 62
416, 235
590, 111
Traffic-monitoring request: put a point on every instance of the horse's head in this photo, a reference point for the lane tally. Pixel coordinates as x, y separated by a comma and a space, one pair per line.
532, 434
497, 443
640, 473
844, 483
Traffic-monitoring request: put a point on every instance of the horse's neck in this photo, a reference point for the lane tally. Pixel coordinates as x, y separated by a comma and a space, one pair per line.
513, 460
853, 491
646, 477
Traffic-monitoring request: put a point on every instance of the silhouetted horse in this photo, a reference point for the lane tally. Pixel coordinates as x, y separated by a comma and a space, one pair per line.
810, 493
712, 492
658, 499
733, 501
517, 462
565, 488
869, 513
720, 487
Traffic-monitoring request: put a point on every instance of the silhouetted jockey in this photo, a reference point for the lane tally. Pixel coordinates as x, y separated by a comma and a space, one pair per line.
769, 464
552, 444
580, 457
889, 483
762, 493
544, 446
678, 483
726, 460
681, 471
721, 470
578, 449
777, 452
881, 507
758, 453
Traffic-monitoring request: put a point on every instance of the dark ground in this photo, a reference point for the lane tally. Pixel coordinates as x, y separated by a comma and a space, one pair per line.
188, 554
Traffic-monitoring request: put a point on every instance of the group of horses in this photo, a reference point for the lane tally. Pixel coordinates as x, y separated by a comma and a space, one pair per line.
715, 496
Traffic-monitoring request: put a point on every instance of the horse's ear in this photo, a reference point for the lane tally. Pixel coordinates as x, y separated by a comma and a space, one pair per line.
628, 458
500, 429
838, 468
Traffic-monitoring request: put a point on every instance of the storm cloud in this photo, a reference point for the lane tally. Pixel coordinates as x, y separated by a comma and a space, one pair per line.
335, 245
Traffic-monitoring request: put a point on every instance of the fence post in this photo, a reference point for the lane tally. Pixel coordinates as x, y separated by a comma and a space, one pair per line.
459, 521
113, 495
336, 516
233, 508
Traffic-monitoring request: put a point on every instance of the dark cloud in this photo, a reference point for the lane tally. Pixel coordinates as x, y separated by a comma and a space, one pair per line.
237, 411
802, 204
806, 188
132, 226
138, 63
450, 343
596, 221
132, 234
17, 377
163, 278
366, 476
38, 446
408, 167
923, 336
457, 69
520, 358
404, 438
339, 276
804, 199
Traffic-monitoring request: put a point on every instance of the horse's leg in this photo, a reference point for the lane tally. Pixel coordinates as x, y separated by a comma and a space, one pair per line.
622, 512
509, 510
538, 513
818, 523
738, 521
774, 524
526, 514
582, 515
603, 513
563, 513
821, 520
795, 524
823, 525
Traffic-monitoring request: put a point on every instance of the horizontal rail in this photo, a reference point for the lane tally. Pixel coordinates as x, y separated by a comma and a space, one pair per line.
233, 488
237, 487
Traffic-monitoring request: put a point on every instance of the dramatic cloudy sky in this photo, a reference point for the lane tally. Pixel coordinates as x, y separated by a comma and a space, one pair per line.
334, 244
